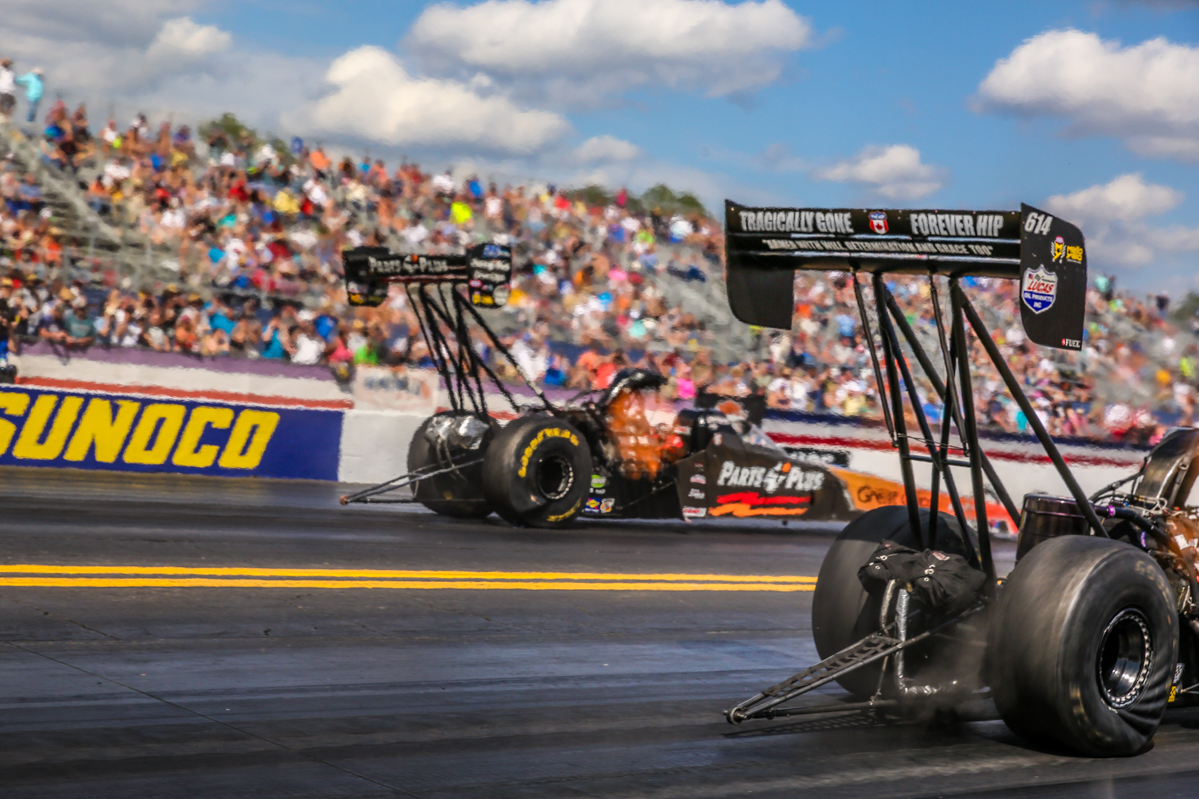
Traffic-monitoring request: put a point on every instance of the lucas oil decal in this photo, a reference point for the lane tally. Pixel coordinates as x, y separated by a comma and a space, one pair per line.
1038, 289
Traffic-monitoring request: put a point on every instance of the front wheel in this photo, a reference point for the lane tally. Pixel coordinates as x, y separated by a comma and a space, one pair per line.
537, 471
1082, 646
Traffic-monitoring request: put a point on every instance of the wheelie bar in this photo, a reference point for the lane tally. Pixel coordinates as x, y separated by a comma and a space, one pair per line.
403, 481
870, 649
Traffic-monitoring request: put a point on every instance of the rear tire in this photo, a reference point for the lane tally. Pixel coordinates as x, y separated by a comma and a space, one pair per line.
1082, 646
537, 472
457, 494
843, 611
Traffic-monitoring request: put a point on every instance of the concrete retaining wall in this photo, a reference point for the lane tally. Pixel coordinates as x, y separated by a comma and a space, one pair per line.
381, 410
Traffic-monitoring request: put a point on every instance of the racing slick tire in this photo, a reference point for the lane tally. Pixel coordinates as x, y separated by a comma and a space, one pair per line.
1082, 646
843, 611
537, 472
457, 494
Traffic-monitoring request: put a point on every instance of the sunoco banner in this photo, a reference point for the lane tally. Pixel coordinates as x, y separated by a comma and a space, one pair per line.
147, 434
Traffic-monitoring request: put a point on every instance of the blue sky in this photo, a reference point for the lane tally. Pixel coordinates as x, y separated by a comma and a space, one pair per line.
760, 101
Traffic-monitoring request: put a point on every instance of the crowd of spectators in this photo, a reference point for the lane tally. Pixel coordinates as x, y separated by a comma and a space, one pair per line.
252, 231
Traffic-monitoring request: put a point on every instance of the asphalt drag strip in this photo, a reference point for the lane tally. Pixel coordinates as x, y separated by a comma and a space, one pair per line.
307, 684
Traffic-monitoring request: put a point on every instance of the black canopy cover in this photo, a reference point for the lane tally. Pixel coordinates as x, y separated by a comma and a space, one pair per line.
765, 247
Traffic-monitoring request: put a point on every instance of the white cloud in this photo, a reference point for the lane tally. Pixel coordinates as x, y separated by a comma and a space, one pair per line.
114, 23
894, 172
1178, 148
579, 51
256, 91
1126, 197
153, 55
1112, 217
1147, 94
102, 67
375, 98
606, 148
182, 38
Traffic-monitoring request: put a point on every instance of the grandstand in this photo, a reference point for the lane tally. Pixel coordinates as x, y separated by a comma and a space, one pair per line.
221, 245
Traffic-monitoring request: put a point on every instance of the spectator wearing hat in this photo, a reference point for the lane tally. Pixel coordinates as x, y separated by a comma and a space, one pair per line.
34, 87
80, 329
308, 347
187, 339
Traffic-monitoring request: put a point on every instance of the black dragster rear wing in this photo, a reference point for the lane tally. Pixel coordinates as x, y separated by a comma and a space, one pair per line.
485, 268
766, 246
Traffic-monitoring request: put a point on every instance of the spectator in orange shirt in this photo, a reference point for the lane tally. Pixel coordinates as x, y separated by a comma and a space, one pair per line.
320, 162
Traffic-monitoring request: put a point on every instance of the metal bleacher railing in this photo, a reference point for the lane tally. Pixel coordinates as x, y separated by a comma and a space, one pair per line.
109, 249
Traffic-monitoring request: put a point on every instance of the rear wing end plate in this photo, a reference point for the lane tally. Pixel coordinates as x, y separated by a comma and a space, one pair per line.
765, 247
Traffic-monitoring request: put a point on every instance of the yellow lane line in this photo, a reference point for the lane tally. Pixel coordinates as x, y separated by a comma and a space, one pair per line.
398, 574
143, 582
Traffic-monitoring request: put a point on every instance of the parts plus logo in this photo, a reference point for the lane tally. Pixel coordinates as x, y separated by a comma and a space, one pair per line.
783, 475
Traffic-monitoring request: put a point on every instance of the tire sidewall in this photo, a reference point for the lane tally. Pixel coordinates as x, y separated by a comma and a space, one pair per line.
1127, 728
1043, 648
516, 460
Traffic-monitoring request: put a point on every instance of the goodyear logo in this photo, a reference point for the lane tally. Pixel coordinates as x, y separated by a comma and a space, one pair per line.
549, 432
112, 432
559, 517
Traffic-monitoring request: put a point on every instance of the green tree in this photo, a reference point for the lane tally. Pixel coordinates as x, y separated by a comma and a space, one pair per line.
283, 151
1184, 311
663, 197
592, 194
231, 128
